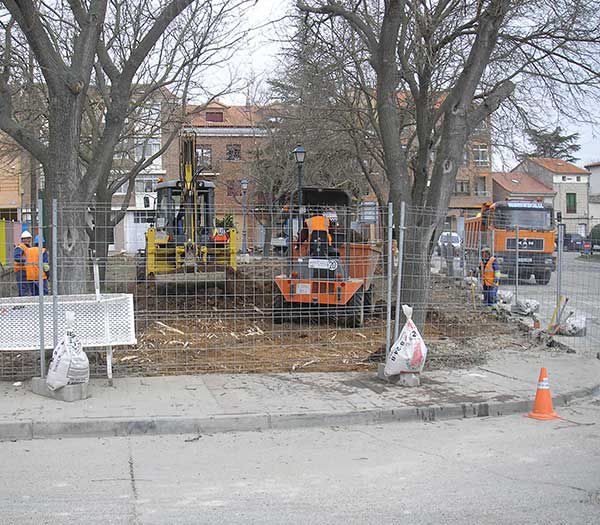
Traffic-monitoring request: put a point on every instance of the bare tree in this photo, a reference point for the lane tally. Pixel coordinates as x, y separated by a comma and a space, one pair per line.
442, 67
99, 53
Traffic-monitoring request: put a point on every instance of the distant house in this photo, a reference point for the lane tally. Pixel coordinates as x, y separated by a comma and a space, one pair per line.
594, 209
594, 169
520, 186
571, 185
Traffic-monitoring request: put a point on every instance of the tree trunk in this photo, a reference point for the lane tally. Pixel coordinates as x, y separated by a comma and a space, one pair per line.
268, 233
416, 273
63, 178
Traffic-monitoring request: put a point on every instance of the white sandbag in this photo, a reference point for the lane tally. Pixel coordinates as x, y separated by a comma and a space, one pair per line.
505, 296
472, 281
574, 325
409, 352
69, 365
58, 372
79, 369
526, 307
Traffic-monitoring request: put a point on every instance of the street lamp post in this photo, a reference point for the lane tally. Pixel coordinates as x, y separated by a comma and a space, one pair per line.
299, 154
244, 184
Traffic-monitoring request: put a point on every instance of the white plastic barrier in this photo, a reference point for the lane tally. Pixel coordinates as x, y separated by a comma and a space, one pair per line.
105, 320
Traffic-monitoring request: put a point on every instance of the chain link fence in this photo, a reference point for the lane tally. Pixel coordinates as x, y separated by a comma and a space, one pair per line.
269, 289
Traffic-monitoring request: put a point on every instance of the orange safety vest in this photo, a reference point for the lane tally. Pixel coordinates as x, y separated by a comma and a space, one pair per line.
20, 267
32, 271
487, 272
318, 223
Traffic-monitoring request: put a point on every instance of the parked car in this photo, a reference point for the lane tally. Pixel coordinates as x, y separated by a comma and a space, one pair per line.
451, 238
573, 242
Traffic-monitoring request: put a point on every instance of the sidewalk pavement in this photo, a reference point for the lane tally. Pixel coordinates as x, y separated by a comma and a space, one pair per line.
223, 402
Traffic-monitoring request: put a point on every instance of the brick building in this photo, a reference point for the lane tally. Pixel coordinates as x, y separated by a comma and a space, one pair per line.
474, 183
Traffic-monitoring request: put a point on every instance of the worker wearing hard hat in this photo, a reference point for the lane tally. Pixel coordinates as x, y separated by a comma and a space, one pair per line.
32, 268
490, 276
20, 261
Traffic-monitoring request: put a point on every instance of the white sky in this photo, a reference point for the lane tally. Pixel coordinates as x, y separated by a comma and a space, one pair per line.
260, 58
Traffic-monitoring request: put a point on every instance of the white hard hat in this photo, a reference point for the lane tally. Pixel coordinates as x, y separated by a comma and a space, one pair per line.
26, 235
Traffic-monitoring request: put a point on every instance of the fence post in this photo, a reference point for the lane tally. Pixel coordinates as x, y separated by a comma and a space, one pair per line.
400, 264
41, 287
559, 250
516, 263
54, 269
390, 280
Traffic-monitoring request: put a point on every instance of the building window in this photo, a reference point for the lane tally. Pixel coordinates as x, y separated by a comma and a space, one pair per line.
142, 217
234, 188
571, 203
204, 156
234, 152
122, 189
461, 187
481, 155
564, 178
146, 184
214, 116
480, 187
146, 148
578, 178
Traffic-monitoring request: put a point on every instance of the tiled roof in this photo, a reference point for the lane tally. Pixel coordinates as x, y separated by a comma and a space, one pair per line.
233, 116
557, 165
517, 182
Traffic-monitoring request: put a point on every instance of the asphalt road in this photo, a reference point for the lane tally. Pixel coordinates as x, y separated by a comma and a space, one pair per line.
580, 282
501, 470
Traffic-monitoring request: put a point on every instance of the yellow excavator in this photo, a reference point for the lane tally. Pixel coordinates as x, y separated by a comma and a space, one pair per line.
184, 245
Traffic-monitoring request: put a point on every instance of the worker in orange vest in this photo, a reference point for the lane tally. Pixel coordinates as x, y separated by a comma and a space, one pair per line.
32, 268
490, 276
20, 260
318, 223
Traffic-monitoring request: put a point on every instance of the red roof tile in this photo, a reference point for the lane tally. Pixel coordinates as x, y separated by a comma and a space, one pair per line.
557, 165
233, 116
517, 182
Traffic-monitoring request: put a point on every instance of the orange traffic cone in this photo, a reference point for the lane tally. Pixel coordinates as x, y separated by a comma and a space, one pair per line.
542, 407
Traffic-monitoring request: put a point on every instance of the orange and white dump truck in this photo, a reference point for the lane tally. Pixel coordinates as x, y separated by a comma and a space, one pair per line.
331, 265
496, 226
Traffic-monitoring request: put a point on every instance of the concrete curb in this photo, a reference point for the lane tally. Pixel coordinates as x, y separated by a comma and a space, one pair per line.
111, 427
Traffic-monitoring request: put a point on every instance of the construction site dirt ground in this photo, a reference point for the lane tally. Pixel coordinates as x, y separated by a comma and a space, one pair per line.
208, 330
211, 330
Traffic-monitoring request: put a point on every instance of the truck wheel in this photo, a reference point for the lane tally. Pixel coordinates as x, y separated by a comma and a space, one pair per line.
369, 301
543, 277
355, 309
280, 308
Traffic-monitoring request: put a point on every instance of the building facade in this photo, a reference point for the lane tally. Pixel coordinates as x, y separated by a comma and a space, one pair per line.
474, 184
571, 186
594, 169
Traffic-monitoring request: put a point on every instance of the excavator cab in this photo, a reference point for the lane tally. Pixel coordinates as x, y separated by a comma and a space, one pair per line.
184, 245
